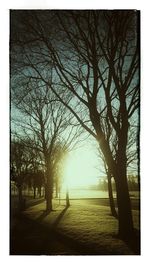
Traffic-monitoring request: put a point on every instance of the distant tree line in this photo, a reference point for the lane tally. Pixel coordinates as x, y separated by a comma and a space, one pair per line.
132, 184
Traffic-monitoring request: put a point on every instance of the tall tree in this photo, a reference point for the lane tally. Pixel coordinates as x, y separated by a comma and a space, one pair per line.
42, 122
131, 153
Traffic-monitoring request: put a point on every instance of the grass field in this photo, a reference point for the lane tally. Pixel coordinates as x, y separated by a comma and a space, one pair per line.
86, 226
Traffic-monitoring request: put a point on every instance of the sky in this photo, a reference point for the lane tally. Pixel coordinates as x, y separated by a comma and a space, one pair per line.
82, 167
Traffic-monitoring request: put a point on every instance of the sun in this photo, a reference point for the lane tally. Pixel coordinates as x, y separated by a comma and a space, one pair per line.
80, 169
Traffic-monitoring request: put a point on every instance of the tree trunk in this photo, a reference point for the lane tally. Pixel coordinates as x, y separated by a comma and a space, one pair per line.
56, 189
126, 229
28, 191
45, 191
49, 191
59, 196
111, 199
67, 198
39, 191
20, 198
34, 194
20, 193
49, 206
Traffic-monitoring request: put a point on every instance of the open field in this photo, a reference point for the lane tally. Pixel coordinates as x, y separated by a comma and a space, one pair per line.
85, 228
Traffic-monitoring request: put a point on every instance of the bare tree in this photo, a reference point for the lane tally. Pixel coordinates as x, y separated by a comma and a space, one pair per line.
95, 59
131, 153
43, 124
20, 164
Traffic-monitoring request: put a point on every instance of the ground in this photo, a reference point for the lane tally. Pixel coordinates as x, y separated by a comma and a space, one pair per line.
85, 228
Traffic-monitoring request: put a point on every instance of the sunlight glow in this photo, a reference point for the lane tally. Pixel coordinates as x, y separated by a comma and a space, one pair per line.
80, 169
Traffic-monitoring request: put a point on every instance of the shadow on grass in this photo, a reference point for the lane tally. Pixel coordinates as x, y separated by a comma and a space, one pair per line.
51, 234
43, 215
59, 217
33, 203
46, 213
33, 238
74, 244
27, 202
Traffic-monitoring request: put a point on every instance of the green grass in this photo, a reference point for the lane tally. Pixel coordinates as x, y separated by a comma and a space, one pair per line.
89, 224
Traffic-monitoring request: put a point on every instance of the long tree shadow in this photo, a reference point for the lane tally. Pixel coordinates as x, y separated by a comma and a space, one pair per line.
59, 217
33, 203
45, 213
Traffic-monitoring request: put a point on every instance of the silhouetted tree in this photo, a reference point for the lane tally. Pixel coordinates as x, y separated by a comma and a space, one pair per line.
43, 123
20, 162
131, 154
